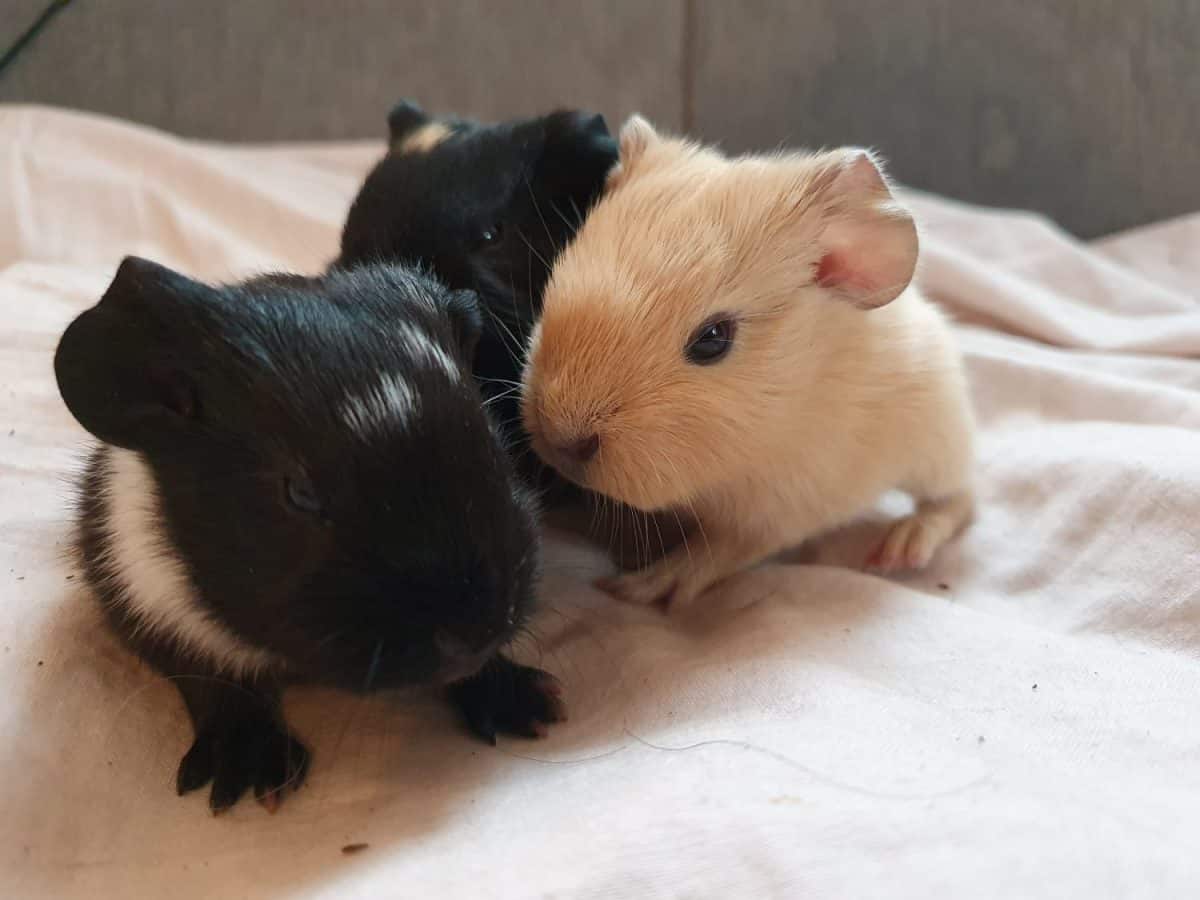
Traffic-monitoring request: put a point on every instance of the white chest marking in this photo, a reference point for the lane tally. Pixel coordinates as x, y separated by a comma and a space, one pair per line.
154, 582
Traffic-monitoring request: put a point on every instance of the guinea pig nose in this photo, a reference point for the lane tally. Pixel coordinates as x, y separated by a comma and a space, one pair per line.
583, 449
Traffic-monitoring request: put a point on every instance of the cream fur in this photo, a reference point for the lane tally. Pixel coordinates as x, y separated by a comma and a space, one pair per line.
824, 402
424, 138
153, 581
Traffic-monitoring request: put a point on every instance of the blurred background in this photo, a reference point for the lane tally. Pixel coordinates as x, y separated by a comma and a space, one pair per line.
1085, 110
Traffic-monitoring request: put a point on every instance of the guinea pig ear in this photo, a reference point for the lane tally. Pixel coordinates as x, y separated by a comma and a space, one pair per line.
579, 136
121, 369
637, 136
405, 118
868, 241
577, 152
467, 319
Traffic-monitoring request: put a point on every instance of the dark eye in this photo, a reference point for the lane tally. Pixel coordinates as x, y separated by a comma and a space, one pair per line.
302, 496
491, 235
711, 341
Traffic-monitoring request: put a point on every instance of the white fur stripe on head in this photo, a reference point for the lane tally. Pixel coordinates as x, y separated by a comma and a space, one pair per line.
152, 579
421, 345
388, 404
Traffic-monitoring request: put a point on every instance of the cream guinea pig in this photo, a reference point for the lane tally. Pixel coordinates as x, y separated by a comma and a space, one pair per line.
738, 339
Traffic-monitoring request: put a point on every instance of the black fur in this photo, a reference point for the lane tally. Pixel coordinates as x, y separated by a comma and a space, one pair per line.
528, 182
421, 561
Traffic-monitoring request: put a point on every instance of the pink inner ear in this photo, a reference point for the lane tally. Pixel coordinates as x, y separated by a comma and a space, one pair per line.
833, 271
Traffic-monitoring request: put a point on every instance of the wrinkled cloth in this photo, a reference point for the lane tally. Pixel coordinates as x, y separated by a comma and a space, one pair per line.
1021, 720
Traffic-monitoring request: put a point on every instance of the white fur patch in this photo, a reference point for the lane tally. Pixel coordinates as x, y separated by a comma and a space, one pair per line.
157, 589
443, 360
393, 401
388, 404
423, 346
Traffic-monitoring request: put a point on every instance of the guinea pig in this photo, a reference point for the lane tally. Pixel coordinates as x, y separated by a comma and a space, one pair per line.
296, 483
485, 207
739, 338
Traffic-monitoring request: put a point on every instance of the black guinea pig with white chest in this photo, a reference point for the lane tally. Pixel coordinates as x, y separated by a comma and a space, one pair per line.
487, 207
297, 483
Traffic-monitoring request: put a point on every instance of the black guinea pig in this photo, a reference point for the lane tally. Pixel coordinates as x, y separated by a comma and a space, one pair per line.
297, 483
487, 207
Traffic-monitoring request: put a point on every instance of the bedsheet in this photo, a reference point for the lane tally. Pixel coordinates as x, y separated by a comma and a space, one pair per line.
1021, 720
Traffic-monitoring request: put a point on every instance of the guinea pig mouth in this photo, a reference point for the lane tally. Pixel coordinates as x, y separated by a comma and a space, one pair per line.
573, 457
389, 669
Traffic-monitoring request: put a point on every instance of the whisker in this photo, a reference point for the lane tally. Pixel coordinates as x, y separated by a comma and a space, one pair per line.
504, 381
331, 638
533, 250
512, 286
683, 531
503, 395
571, 225
537, 209
513, 354
373, 668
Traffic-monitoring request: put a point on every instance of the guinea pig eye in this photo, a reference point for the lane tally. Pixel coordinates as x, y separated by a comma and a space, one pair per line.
302, 496
491, 235
711, 341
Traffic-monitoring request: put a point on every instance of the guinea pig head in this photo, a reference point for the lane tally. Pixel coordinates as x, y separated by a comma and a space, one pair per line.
313, 453
684, 327
487, 207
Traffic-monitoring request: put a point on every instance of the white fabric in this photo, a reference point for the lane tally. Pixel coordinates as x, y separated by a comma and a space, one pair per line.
1023, 720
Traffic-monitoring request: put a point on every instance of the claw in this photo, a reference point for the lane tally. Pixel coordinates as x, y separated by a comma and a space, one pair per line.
238, 754
550, 685
269, 800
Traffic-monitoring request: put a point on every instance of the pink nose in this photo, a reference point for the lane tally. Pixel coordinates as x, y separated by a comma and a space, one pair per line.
582, 450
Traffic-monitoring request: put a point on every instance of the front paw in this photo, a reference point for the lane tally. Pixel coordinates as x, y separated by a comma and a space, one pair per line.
655, 585
672, 583
240, 753
506, 698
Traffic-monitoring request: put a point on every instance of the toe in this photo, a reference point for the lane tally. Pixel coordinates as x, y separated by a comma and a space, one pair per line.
909, 545
919, 552
642, 589
282, 768
226, 791
196, 767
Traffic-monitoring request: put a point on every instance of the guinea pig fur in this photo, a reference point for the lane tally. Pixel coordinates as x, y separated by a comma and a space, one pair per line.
296, 483
739, 338
486, 207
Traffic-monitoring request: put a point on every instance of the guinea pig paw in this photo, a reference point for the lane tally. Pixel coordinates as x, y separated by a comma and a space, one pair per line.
506, 698
239, 754
646, 587
909, 544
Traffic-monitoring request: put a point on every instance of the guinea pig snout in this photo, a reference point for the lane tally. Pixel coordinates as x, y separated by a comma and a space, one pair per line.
566, 445
580, 450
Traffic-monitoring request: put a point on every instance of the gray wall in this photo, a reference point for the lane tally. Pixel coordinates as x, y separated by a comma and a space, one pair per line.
1084, 109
